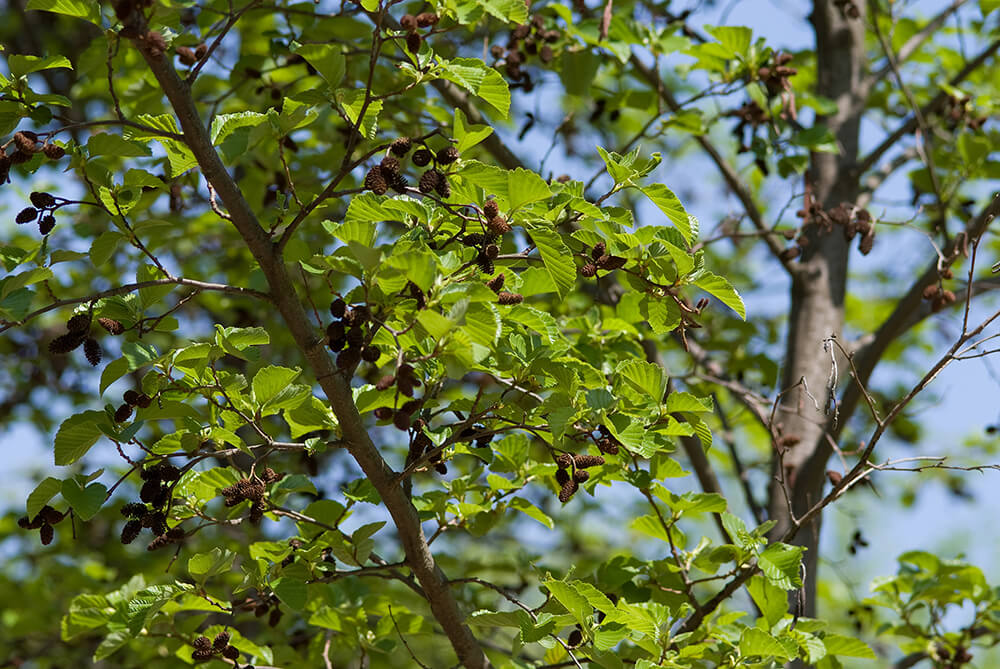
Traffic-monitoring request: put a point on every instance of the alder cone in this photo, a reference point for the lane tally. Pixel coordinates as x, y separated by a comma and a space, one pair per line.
41, 200
413, 41
78, 323
600, 248
496, 283
25, 141
562, 476
609, 263
53, 152
26, 215
46, 223
581, 475
110, 325
385, 382
585, 461
400, 146
46, 532
447, 155
567, 490
65, 343
408, 22
426, 19
588, 270
443, 188
92, 351
375, 181
202, 643
498, 225
422, 157
130, 532
491, 209
509, 298
338, 308
565, 460
429, 180
221, 640
122, 414
390, 166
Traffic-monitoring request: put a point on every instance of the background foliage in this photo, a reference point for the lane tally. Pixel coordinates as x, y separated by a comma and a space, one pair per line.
368, 334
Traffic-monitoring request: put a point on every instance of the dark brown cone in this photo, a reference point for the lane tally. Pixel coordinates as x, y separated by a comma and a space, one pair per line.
867, 242
50, 515
202, 643
581, 475
485, 265
413, 41
220, 641
348, 358
567, 490
408, 22
53, 152
122, 414
401, 420
338, 308
609, 263
491, 209
78, 323
546, 54
42, 200
143, 401
447, 155
585, 461
426, 19
562, 476
335, 330
564, 460
491, 251
26, 215
149, 490
274, 618
588, 270
130, 531
370, 353
355, 337
441, 468
931, 291
600, 248
185, 54
133, 510
92, 351
338, 344
383, 413
385, 382
575, 638
400, 146
111, 326
498, 225
25, 142
46, 223
443, 188
46, 532
390, 167
473, 239
607, 446
496, 283
231, 653
509, 298
429, 180
375, 181
421, 157
65, 343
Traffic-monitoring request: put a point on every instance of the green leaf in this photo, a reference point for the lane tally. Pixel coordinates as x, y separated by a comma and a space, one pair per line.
780, 563
644, 381
224, 125
568, 596
82, 9
41, 495
21, 65
720, 288
107, 144
18, 281
327, 59
757, 642
76, 435
671, 206
987, 6
818, 138
508, 11
531, 511
848, 646
685, 401
113, 371
291, 591
476, 77
736, 39
112, 643
104, 246
206, 565
513, 188
467, 136
556, 258
86, 502
269, 381
770, 599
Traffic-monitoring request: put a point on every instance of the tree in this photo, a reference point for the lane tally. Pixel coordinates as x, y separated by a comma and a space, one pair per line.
508, 356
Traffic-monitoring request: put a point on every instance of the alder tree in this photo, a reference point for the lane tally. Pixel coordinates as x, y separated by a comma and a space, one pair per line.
382, 335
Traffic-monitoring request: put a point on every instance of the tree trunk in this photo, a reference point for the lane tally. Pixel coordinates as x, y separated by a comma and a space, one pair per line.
818, 287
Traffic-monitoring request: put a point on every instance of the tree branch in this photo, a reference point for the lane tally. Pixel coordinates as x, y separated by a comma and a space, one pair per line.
335, 386
774, 241
934, 105
128, 288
